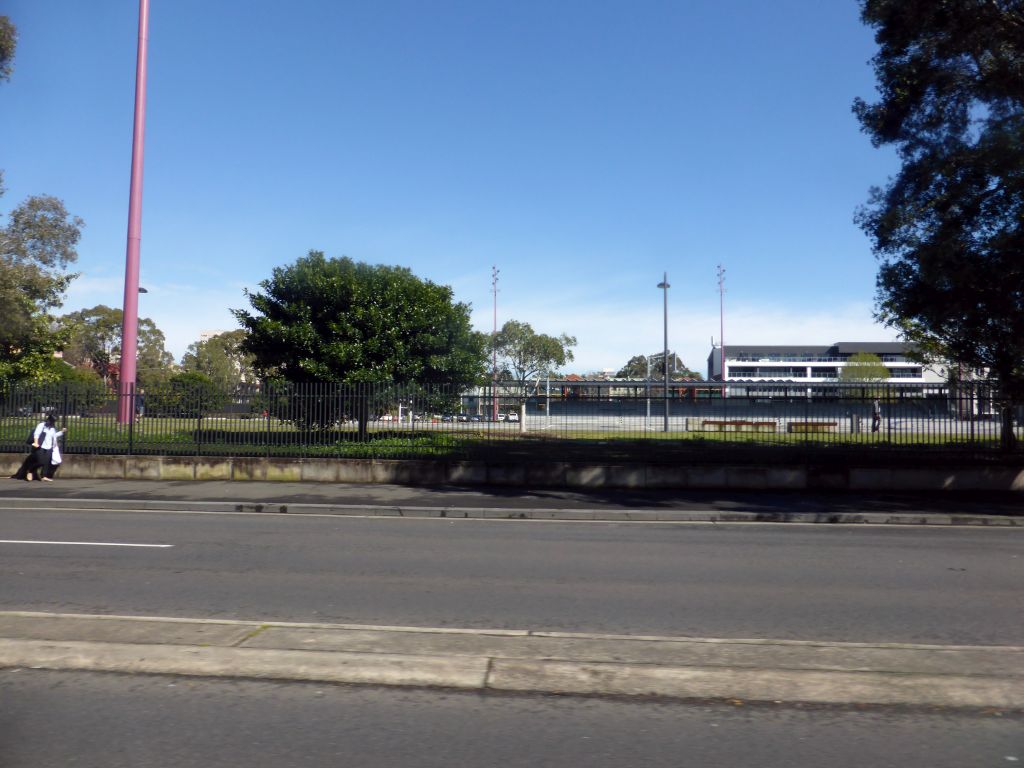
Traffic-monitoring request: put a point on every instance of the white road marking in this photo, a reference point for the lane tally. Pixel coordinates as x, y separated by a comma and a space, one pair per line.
84, 543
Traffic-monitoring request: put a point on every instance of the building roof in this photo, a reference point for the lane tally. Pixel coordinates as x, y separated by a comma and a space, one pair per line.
839, 348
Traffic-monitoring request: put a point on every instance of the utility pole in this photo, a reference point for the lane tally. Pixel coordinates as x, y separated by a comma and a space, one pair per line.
130, 321
721, 321
494, 346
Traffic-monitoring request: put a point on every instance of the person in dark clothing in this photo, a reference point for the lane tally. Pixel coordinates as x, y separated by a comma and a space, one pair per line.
44, 438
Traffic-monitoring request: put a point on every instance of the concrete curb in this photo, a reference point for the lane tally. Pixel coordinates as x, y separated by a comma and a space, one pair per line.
506, 513
522, 661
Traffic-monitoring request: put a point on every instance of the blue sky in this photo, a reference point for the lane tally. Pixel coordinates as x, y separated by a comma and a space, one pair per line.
584, 147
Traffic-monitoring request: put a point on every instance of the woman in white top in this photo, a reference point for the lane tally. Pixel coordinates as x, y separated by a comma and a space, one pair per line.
44, 438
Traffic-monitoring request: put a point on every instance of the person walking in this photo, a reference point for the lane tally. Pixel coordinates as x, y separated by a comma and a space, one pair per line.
876, 415
44, 438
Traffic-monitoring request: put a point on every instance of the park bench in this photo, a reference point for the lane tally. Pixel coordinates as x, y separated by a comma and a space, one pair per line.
811, 426
737, 425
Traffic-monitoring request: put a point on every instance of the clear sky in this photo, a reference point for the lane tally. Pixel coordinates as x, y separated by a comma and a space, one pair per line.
584, 147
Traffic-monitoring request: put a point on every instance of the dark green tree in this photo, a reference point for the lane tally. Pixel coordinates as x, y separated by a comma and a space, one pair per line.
636, 368
337, 320
221, 358
949, 228
525, 354
185, 395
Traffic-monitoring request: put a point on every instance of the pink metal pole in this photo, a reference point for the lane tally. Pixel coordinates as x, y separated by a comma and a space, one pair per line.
129, 330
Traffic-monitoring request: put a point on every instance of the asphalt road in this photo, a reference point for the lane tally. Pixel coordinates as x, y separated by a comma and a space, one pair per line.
857, 583
54, 720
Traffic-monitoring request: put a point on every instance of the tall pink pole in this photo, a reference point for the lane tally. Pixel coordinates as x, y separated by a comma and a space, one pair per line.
130, 328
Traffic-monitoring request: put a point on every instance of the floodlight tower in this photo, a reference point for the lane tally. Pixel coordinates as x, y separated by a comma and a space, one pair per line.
494, 346
664, 360
721, 321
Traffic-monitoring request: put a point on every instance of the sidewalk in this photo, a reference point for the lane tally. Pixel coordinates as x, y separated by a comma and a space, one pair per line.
521, 660
994, 509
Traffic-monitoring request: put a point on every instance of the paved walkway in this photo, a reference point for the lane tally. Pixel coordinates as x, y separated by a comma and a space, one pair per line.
993, 509
522, 660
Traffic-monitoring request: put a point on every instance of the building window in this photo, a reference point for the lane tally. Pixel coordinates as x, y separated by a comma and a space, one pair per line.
904, 373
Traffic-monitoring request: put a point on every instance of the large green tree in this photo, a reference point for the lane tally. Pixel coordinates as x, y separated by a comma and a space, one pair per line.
94, 340
221, 359
949, 227
524, 354
636, 368
37, 244
338, 320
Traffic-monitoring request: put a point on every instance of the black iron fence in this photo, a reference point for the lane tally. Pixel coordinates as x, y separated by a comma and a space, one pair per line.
607, 420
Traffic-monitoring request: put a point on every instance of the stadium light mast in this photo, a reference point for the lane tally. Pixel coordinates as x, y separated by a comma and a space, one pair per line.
494, 346
130, 320
721, 321
664, 360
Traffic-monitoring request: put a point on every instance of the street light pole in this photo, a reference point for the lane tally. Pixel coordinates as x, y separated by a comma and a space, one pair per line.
130, 320
664, 287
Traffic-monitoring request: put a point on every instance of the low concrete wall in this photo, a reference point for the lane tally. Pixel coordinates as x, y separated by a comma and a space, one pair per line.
540, 475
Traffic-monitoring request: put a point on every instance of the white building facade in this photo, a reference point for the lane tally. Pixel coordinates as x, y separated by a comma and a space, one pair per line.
760, 368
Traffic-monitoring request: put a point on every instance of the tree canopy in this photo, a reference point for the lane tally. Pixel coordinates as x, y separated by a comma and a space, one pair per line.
864, 366
339, 320
949, 228
524, 354
636, 368
94, 340
8, 45
221, 359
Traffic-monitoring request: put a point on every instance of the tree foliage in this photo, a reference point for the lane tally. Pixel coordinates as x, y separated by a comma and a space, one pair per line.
8, 45
94, 340
949, 228
337, 320
37, 243
864, 366
184, 395
636, 368
221, 359
323, 319
524, 354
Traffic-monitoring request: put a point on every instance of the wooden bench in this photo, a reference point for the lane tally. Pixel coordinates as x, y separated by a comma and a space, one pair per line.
736, 425
811, 426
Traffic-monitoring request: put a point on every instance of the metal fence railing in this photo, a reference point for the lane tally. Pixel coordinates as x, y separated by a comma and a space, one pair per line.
623, 421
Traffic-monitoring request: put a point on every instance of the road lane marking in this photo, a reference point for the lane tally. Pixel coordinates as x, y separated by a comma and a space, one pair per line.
84, 543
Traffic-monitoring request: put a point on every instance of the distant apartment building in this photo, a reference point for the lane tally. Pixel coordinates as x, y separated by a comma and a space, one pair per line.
207, 335
811, 364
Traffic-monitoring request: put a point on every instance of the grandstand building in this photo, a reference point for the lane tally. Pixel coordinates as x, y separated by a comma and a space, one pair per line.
760, 369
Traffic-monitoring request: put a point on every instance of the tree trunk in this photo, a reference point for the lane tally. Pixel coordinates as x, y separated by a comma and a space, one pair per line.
363, 415
1007, 438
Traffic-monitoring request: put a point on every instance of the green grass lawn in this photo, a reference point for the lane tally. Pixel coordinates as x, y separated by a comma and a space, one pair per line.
495, 441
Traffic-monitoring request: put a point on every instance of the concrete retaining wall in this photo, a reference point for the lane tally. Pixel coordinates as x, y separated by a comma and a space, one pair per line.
549, 475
